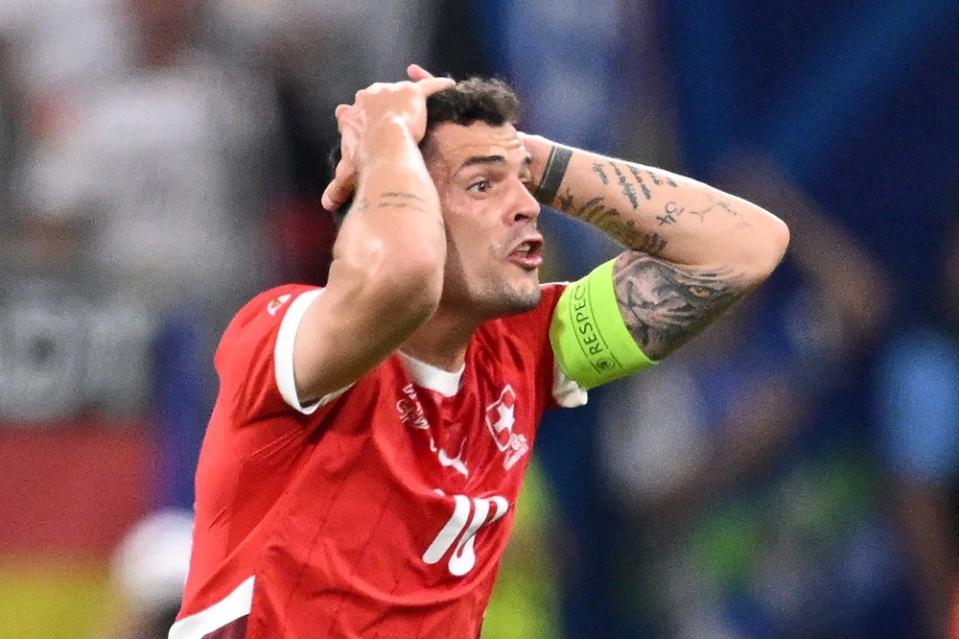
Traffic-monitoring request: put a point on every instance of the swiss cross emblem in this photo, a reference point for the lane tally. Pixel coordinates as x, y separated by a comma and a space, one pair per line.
500, 416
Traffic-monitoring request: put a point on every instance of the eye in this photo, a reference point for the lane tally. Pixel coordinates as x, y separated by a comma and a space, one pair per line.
479, 186
702, 292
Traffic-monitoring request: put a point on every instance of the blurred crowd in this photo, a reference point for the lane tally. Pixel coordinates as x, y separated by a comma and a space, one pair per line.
791, 474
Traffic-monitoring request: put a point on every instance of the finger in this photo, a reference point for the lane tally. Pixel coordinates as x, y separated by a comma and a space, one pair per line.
341, 189
416, 73
330, 200
335, 196
345, 116
429, 86
345, 172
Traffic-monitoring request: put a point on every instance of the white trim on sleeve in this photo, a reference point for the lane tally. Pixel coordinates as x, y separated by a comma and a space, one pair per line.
235, 605
566, 392
283, 355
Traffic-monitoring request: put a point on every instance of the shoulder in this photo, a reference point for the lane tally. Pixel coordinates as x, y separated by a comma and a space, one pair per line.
272, 300
254, 359
521, 343
550, 292
266, 312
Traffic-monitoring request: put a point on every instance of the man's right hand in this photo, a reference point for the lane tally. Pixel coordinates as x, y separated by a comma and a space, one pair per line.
366, 126
387, 273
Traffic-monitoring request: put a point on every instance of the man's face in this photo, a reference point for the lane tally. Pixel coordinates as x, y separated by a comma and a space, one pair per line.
481, 173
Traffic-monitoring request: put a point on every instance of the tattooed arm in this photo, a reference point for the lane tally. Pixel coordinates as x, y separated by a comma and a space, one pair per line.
693, 250
387, 272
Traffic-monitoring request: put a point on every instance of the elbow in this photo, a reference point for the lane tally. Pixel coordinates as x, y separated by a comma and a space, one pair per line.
777, 243
769, 248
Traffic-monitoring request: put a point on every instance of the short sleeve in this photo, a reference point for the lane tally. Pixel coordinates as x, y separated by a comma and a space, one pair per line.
255, 357
566, 392
918, 407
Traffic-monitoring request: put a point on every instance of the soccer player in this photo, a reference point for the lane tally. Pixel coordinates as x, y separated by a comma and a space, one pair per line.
361, 466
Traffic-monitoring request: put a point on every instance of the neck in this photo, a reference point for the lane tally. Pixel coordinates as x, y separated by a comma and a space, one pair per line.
442, 339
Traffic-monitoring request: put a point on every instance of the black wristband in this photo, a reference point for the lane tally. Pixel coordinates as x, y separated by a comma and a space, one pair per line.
553, 174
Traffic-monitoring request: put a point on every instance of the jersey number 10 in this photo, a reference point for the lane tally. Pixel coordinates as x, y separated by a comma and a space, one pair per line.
464, 557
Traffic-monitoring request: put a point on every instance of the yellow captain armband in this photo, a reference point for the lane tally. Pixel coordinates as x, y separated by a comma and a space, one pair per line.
590, 340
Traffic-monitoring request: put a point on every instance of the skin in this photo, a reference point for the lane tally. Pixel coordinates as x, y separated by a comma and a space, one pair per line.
386, 278
691, 250
481, 173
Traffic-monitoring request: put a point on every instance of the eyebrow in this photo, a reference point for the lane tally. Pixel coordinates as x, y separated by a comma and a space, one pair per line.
490, 159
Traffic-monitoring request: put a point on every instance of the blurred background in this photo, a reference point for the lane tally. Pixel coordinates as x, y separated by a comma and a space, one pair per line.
792, 474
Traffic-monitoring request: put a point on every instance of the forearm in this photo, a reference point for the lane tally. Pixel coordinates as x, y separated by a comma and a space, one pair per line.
395, 222
387, 265
386, 276
664, 215
693, 251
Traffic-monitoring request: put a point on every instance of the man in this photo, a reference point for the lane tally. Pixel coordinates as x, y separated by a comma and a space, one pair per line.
361, 465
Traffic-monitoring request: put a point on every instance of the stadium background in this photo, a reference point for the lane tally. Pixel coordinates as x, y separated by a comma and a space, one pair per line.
791, 475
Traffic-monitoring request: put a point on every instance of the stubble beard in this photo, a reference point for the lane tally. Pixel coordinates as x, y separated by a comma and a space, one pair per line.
508, 297
494, 296
510, 290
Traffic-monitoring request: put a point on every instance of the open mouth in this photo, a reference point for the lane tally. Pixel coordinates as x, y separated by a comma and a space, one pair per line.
528, 254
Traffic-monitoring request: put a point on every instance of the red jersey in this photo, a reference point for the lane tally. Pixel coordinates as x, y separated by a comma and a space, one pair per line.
382, 510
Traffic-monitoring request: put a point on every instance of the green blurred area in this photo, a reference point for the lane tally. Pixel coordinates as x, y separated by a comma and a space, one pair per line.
525, 602
55, 599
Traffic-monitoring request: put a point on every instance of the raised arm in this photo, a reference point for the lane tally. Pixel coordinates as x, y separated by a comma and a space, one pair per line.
693, 250
387, 270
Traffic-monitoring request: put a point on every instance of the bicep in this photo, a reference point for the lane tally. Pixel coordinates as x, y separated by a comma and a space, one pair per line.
590, 341
664, 304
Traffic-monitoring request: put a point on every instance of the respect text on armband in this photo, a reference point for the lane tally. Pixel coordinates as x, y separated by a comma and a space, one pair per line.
587, 334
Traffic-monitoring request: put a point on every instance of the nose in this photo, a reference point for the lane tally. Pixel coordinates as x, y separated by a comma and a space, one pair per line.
526, 208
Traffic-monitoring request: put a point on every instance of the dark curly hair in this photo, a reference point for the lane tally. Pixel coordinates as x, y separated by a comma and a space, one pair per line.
487, 100
476, 99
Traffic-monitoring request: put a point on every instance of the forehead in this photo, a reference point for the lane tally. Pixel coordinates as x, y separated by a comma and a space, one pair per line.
451, 145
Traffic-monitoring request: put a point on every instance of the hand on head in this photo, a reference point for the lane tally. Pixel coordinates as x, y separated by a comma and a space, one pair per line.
416, 73
380, 103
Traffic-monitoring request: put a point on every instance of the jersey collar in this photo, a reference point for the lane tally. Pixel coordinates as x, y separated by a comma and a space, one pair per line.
444, 382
